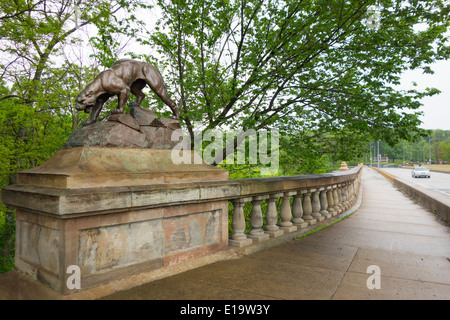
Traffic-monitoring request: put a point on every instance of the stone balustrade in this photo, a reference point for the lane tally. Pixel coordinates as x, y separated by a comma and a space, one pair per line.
113, 226
113, 203
314, 199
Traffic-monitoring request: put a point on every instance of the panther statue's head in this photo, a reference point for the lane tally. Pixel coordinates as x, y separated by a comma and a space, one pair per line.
85, 100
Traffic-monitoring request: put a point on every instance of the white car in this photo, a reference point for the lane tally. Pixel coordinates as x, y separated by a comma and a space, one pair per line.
420, 172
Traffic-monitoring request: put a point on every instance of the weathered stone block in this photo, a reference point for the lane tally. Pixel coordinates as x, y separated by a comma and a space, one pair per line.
108, 247
107, 167
170, 123
115, 245
140, 129
125, 119
190, 231
107, 134
144, 117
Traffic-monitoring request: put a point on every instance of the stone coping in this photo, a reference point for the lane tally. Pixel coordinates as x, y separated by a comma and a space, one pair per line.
85, 201
428, 198
94, 167
16, 286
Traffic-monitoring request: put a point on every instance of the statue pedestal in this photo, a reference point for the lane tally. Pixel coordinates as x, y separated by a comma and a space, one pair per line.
114, 213
91, 167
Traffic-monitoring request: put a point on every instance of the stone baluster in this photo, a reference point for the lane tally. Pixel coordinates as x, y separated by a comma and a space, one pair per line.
286, 214
336, 207
256, 221
324, 203
345, 202
351, 194
297, 210
307, 208
355, 191
272, 217
315, 204
339, 192
330, 201
239, 238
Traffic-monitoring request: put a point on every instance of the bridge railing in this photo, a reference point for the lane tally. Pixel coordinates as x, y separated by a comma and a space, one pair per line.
305, 200
114, 232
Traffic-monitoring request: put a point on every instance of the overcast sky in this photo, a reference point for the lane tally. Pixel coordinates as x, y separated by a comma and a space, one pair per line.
437, 108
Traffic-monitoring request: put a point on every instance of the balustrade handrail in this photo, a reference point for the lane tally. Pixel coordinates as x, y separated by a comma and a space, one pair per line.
316, 197
67, 202
165, 223
262, 185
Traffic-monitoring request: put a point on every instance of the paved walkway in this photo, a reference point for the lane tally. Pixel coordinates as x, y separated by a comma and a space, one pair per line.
410, 246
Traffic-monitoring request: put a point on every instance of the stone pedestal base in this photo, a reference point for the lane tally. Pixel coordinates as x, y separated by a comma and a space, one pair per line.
259, 237
90, 167
326, 215
112, 213
274, 233
310, 222
288, 229
301, 225
240, 243
319, 218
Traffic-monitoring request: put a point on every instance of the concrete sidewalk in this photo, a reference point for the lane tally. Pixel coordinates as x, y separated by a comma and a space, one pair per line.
409, 244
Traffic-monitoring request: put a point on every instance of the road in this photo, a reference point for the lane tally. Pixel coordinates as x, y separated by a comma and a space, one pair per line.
439, 181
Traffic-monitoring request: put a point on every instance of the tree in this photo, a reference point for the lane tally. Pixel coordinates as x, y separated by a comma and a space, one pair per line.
39, 82
306, 68
419, 150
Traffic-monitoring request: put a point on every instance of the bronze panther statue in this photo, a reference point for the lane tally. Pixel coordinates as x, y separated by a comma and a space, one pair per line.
123, 77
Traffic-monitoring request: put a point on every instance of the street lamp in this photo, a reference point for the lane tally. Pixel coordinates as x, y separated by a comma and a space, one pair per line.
429, 142
378, 155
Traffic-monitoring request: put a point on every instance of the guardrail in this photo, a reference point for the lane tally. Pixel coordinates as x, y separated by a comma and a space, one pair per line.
314, 198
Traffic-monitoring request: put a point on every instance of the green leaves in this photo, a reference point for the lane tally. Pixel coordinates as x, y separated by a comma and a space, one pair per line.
311, 69
309, 66
37, 91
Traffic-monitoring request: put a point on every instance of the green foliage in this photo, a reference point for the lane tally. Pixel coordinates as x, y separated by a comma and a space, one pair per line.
32, 132
418, 151
301, 65
312, 70
39, 84
7, 239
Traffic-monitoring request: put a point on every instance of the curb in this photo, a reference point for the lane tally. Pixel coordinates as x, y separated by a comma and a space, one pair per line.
427, 198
